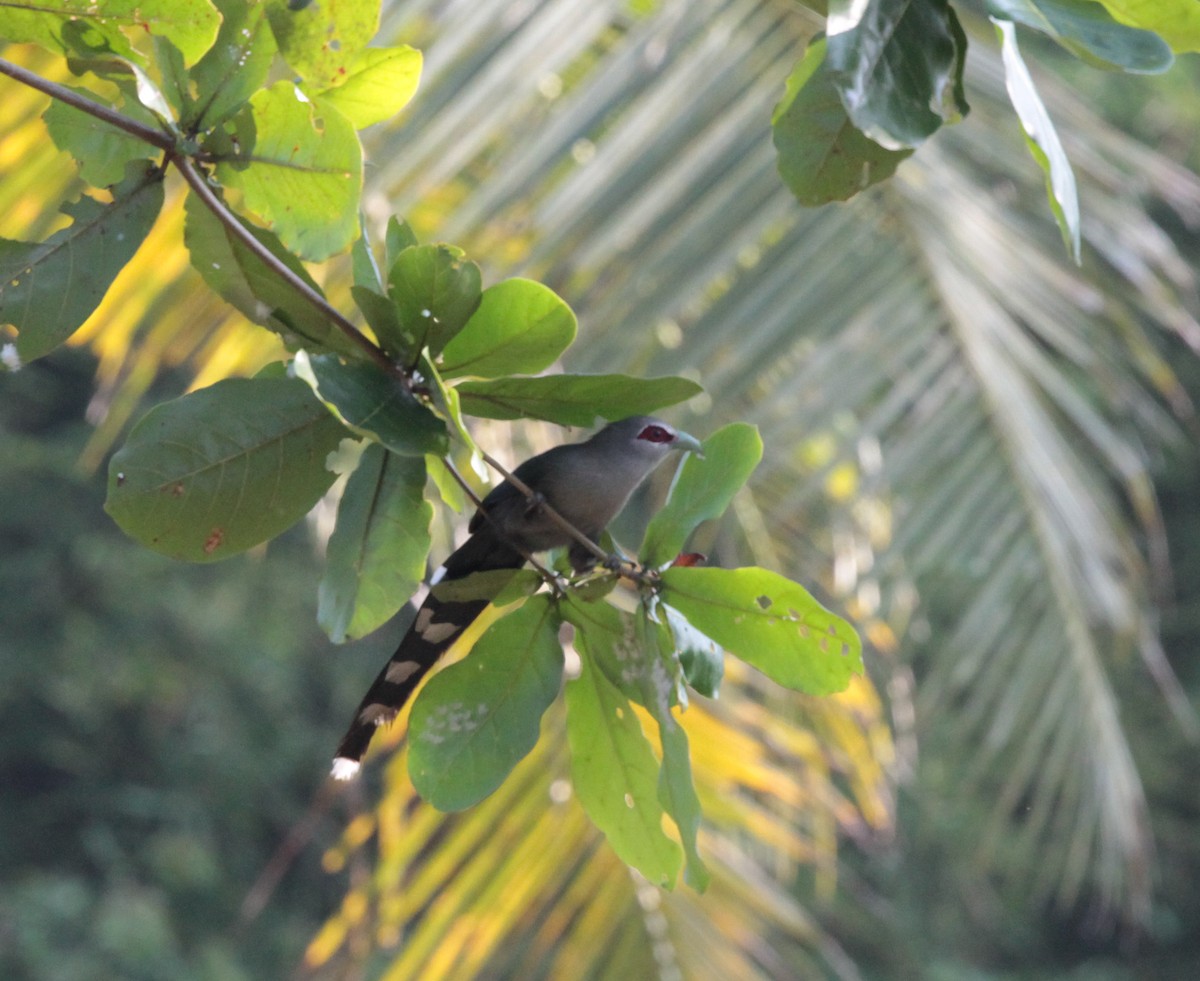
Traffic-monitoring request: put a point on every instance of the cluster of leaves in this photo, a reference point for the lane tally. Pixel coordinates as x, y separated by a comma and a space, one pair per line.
887, 75
274, 172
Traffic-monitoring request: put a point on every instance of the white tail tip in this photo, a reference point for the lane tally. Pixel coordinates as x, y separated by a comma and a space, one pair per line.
344, 769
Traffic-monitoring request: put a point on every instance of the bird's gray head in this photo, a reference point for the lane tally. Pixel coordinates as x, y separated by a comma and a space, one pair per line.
645, 437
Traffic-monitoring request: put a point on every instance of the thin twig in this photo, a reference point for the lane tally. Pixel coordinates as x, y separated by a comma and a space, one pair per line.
550, 577
535, 498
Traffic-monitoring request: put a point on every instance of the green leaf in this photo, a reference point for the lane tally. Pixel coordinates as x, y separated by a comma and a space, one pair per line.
234, 68
572, 400
376, 554
435, 292
363, 265
701, 657
1089, 32
475, 720
87, 27
615, 773
321, 40
399, 236
520, 327
1041, 138
218, 471
240, 277
1176, 21
676, 792
299, 169
897, 67
378, 85
703, 490
101, 150
374, 404
48, 289
771, 623
822, 157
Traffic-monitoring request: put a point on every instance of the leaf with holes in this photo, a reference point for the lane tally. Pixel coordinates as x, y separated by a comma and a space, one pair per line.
322, 40
572, 400
771, 623
223, 469
48, 289
477, 719
614, 770
376, 554
299, 169
434, 290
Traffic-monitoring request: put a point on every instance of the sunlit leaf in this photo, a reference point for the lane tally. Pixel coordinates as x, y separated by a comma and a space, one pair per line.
1178, 21
379, 83
322, 40
376, 555
101, 150
769, 622
703, 490
615, 773
476, 719
220, 470
519, 327
1088, 31
435, 291
75, 26
234, 68
1041, 138
299, 169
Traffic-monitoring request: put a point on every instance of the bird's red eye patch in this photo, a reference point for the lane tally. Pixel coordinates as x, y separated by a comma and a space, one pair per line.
656, 434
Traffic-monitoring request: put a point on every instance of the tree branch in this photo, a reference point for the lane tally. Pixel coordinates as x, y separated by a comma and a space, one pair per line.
155, 137
196, 181
199, 185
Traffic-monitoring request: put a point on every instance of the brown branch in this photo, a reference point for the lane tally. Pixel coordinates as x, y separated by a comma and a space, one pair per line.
155, 137
198, 183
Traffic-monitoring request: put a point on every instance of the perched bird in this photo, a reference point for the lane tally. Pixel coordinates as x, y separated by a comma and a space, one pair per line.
586, 483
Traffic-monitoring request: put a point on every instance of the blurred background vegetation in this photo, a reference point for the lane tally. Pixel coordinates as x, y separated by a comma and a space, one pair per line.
987, 455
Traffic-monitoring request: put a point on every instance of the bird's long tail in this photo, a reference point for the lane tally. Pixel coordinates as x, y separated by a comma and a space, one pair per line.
439, 623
